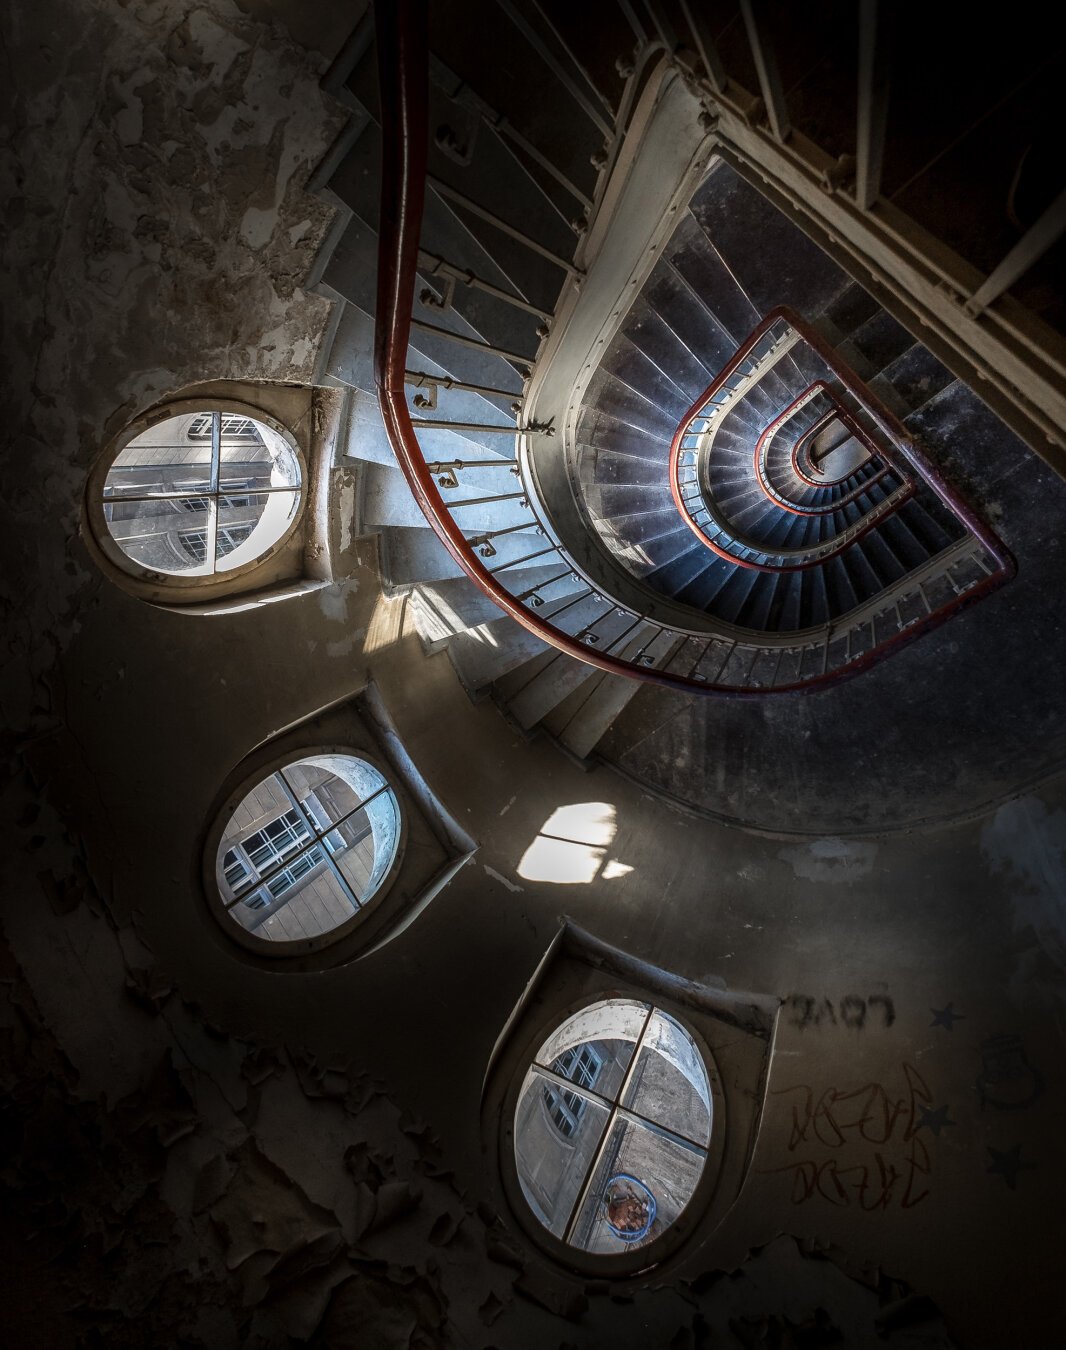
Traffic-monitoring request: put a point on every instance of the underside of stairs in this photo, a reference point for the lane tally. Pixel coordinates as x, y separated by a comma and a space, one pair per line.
513, 180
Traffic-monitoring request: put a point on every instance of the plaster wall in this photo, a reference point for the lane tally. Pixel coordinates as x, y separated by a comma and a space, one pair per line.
210, 1152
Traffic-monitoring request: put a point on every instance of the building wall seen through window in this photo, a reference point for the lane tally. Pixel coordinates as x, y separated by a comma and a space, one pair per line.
307, 848
201, 493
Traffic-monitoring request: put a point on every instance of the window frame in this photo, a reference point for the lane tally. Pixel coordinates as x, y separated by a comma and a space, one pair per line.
149, 583
367, 916
502, 1105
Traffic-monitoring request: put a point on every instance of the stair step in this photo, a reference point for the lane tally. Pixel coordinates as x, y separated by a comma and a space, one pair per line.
548, 687
785, 268
484, 654
387, 500
692, 255
582, 720
410, 557
450, 606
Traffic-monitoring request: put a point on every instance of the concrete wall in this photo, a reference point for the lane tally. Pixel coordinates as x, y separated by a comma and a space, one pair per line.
210, 1152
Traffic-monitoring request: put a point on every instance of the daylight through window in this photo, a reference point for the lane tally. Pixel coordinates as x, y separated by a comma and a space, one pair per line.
308, 847
612, 1126
202, 493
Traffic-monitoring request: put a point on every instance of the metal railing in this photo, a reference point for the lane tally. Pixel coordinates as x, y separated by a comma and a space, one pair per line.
565, 607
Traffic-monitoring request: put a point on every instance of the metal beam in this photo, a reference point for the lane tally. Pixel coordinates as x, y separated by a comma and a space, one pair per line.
1029, 249
873, 91
634, 23
770, 86
574, 60
558, 70
706, 50
662, 25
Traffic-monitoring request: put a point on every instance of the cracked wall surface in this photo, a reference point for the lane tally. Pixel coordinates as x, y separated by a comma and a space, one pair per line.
200, 1152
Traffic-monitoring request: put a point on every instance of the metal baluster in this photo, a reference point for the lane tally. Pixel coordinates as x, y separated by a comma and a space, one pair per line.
423, 380
435, 266
475, 343
475, 208
517, 562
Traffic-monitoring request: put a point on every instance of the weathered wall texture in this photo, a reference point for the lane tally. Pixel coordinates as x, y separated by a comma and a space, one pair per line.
157, 230
203, 1153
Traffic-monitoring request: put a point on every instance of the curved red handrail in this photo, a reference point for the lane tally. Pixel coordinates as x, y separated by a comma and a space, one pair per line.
873, 518
768, 489
403, 68
841, 414
892, 429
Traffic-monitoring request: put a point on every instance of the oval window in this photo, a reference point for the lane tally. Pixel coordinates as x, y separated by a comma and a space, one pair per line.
612, 1127
307, 849
201, 493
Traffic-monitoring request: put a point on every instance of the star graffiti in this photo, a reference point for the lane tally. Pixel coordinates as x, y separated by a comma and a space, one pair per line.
935, 1120
1007, 1163
946, 1017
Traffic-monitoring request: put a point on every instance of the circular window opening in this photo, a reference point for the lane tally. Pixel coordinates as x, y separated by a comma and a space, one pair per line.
201, 493
612, 1127
307, 848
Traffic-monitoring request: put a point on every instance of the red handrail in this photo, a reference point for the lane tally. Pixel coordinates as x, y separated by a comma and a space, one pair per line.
403, 67
872, 518
893, 430
840, 414
771, 493
767, 488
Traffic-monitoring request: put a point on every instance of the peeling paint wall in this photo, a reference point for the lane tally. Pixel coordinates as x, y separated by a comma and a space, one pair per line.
207, 1153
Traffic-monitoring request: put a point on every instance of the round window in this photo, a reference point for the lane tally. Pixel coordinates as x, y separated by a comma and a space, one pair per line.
307, 849
200, 493
612, 1127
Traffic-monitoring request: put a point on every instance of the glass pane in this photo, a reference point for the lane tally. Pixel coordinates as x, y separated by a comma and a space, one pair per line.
642, 1182
306, 901
249, 523
326, 794
162, 459
556, 1135
256, 831
384, 814
351, 846
669, 1082
364, 844
167, 536
255, 457
606, 1033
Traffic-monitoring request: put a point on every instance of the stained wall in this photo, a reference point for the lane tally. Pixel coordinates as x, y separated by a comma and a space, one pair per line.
209, 1152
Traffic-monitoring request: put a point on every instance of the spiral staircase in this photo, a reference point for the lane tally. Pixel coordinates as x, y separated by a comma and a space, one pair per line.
728, 481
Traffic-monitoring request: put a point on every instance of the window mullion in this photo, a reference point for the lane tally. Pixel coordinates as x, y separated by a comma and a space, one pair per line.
216, 450
320, 837
212, 531
583, 1193
298, 807
356, 809
657, 1127
608, 1129
345, 886
636, 1055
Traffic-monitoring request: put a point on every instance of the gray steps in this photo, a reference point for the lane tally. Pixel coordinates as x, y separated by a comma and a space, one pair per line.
706, 293
488, 651
582, 719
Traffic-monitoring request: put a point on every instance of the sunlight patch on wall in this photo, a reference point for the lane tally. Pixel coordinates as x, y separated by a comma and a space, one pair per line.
386, 624
571, 848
